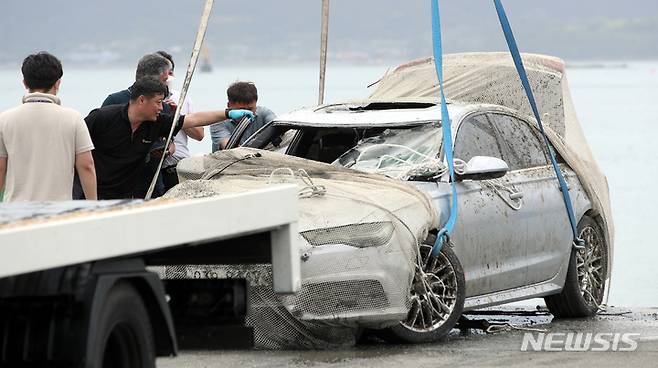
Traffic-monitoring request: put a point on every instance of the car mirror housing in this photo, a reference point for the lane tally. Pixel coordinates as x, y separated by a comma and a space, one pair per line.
483, 168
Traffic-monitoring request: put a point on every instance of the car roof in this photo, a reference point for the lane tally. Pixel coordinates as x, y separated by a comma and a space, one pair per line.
380, 114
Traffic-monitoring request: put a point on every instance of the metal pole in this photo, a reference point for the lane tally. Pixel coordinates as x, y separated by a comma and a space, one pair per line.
323, 48
194, 58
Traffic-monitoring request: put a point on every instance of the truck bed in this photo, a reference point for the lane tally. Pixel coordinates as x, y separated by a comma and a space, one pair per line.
25, 213
39, 236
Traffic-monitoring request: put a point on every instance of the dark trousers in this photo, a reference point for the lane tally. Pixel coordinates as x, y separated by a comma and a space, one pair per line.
144, 181
169, 177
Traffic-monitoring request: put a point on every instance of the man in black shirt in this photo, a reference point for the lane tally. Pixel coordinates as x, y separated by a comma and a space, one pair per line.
149, 66
123, 134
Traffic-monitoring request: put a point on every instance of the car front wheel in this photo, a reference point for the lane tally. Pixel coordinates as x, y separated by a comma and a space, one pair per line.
436, 299
585, 283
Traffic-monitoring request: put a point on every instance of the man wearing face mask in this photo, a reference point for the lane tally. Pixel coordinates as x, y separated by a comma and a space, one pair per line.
169, 175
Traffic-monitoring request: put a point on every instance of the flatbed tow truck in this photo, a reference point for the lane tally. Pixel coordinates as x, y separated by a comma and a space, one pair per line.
75, 290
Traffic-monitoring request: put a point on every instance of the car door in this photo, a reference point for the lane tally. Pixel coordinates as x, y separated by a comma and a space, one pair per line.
491, 255
542, 218
236, 136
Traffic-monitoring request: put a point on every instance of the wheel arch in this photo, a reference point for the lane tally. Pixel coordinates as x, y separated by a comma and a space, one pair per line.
162, 324
150, 288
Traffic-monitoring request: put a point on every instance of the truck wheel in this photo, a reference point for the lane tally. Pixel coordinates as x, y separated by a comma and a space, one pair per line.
437, 299
585, 283
124, 331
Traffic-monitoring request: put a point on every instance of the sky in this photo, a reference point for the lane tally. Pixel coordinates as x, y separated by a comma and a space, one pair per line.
287, 31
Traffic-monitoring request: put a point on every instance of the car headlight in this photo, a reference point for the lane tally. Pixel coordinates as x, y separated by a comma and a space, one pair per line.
369, 234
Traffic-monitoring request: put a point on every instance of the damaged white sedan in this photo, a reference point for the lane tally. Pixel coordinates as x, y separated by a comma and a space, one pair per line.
374, 191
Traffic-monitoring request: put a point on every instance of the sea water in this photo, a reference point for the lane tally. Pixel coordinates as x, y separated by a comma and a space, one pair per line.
617, 107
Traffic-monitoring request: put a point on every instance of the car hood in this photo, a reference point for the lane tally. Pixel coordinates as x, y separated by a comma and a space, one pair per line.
330, 196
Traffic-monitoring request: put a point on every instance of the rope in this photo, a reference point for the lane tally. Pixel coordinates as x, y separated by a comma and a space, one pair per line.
445, 232
324, 36
578, 243
211, 174
518, 62
310, 189
276, 171
201, 32
501, 327
493, 327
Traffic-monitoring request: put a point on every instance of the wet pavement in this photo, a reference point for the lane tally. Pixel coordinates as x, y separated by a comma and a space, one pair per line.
617, 337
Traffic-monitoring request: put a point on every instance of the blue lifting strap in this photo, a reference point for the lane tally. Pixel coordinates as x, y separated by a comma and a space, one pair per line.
518, 62
445, 232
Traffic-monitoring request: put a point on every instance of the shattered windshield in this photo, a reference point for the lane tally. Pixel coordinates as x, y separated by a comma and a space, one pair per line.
395, 151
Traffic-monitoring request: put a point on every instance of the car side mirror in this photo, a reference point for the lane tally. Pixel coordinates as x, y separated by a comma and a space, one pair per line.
483, 168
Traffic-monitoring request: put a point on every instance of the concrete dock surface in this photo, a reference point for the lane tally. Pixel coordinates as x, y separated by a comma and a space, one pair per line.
617, 337
524, 338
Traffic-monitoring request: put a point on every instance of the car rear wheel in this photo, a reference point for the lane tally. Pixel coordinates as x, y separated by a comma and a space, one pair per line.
585, 283
436, 300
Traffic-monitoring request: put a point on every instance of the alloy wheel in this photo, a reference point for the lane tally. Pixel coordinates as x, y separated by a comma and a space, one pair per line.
433, 293
589, 263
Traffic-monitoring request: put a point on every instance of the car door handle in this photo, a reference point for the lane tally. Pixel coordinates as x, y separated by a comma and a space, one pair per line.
516, 196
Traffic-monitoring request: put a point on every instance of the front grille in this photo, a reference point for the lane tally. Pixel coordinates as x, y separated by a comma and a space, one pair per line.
330, 298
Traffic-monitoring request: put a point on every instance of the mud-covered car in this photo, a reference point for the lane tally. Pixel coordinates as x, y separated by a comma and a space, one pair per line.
358, 235
374, 190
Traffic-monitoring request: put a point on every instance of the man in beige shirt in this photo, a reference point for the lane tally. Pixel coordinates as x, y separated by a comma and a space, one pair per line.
43, 143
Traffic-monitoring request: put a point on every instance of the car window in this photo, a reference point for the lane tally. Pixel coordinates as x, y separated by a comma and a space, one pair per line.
281, 143
476, 137
394, 151
272, 137
324, 144
523, 148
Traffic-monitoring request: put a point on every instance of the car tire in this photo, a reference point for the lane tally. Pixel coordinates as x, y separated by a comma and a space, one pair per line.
446, 278
585, 283
124, 334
